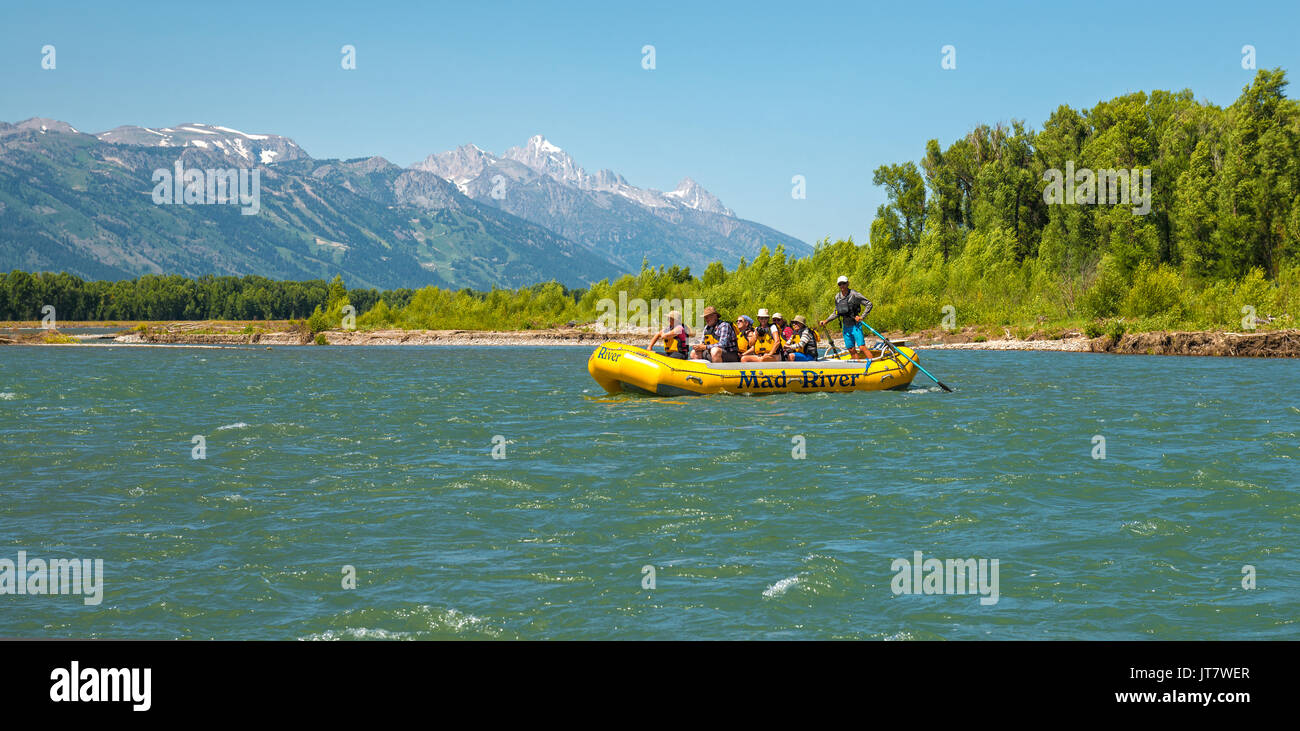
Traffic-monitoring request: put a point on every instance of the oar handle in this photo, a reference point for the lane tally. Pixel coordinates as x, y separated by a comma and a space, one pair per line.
830, 338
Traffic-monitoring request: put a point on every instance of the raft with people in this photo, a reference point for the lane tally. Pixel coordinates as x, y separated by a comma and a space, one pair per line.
620, 367
768, 357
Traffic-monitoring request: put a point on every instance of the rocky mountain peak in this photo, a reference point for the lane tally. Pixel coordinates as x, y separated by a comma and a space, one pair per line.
693, 195
459, 165
240, 147
45, 125
548, 159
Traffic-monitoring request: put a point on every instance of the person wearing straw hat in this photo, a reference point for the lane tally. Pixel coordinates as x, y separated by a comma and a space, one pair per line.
674, 336
806, 349
719, 340
769, 323
782, 329
850, 308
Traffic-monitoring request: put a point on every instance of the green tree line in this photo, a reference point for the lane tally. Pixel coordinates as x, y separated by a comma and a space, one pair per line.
1213, 239
152, 297
1216, 242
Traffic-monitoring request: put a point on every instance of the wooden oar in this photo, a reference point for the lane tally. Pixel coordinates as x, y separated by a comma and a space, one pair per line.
896, 350
835, 349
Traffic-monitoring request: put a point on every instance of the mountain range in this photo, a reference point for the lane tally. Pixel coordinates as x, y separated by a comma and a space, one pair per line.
84, 203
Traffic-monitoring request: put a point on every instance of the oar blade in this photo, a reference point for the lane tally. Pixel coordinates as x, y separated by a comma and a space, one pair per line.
919, 367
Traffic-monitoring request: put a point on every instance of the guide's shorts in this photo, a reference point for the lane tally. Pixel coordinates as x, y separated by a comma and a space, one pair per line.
853, 335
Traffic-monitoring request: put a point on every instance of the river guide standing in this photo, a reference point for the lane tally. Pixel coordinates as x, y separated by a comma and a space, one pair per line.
850, 308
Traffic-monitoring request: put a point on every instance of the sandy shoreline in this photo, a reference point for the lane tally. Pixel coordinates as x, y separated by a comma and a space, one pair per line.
1275, 343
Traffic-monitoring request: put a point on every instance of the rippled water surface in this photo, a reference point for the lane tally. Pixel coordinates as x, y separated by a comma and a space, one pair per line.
381, 459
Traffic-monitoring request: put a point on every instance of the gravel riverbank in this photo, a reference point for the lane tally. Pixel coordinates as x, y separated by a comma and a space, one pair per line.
1273, 343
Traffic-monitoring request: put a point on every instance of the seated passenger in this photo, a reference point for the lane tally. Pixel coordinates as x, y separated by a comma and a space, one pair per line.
783, 331
807, 341
744, 333
764, 345
719, 340
674, 336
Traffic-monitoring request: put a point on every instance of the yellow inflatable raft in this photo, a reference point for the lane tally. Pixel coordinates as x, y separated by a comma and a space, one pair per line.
618, 367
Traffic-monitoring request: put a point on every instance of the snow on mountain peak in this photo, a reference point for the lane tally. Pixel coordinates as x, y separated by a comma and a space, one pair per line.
459, 165
241, 147
45, 125
542, 144
547, 159
692, 195
468, 162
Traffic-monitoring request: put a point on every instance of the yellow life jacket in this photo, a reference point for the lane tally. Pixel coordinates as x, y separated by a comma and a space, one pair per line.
676, 343
764, 342
794, 345
742, 342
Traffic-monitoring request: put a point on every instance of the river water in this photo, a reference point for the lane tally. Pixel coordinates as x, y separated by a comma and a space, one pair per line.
783, 516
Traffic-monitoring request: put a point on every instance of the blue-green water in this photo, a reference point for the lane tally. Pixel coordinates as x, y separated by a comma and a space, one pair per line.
381, 459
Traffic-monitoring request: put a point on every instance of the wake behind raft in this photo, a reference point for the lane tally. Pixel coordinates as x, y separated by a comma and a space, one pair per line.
619, 367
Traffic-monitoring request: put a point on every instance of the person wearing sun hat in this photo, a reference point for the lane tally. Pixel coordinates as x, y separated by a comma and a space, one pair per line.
768, 323
718, 341
674, 336
807, 343
764, 342
783, 331
850, 308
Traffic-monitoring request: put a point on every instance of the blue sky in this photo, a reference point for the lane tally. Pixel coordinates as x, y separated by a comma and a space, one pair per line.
743, 97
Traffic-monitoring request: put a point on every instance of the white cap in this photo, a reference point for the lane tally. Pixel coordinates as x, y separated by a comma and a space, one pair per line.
777, 316
762, 312
842, 280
